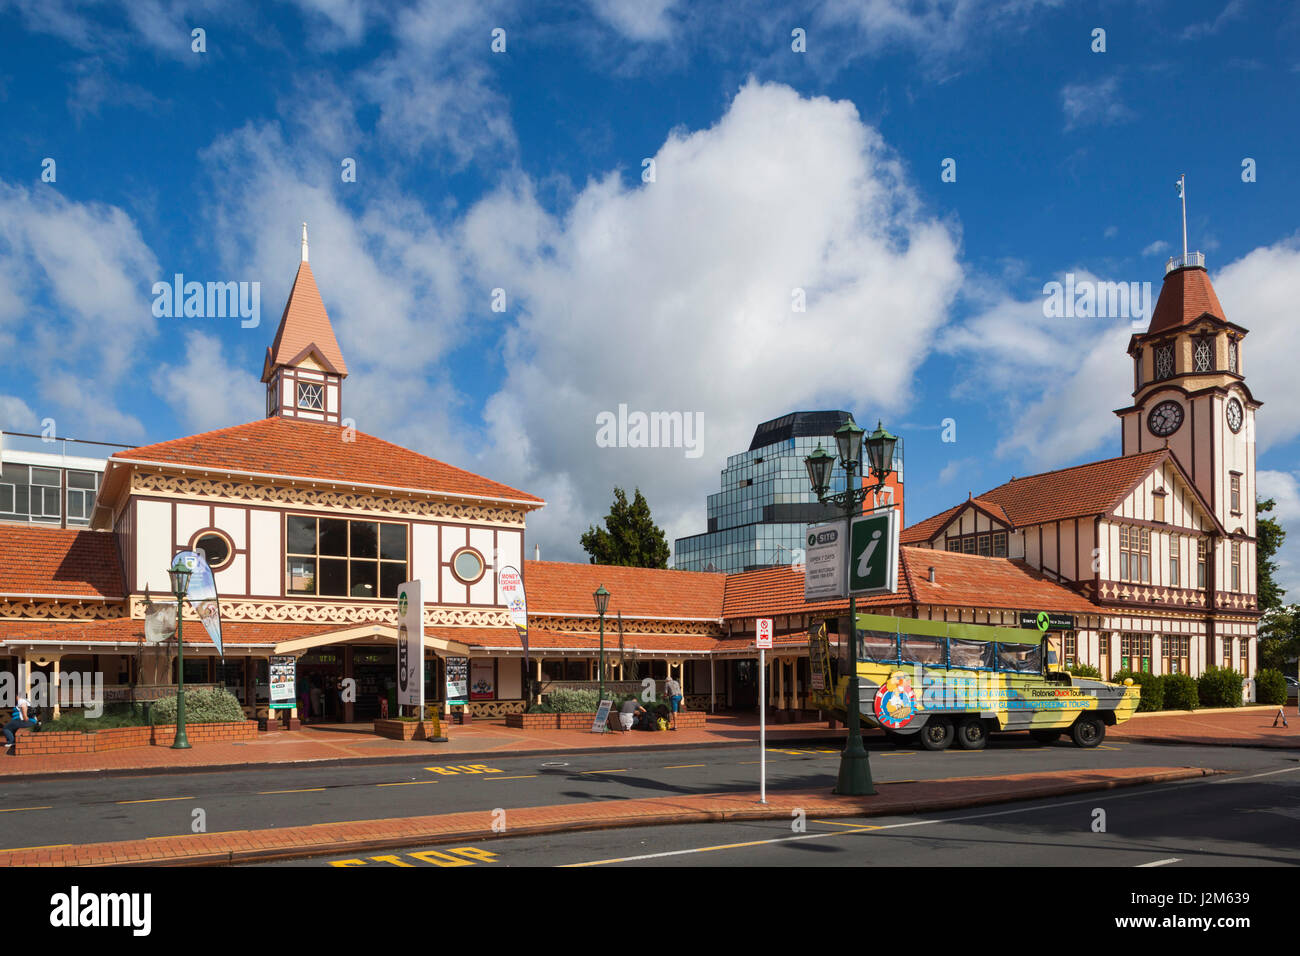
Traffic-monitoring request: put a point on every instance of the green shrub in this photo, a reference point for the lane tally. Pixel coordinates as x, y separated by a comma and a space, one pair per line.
1219, 687
114, 715
1084, 670
202, 706
573, 701
1270, 686
1181, 692
1153, 689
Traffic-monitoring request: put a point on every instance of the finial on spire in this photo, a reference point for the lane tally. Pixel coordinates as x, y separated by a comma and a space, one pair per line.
304, 242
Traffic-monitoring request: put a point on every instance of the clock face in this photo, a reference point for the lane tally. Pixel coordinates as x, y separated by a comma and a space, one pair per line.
1165, 419
1234, 415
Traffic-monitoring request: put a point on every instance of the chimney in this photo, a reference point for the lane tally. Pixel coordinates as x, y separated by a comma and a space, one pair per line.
932, 574
537, 552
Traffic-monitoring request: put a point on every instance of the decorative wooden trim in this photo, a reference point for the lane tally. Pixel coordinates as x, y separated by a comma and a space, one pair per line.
61, 611
338, 612
566, 625
321, 498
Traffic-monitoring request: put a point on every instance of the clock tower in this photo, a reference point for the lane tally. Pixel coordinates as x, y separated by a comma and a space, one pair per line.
1190, 395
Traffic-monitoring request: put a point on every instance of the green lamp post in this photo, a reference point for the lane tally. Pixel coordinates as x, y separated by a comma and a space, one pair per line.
602, 604
180, 578
855, 763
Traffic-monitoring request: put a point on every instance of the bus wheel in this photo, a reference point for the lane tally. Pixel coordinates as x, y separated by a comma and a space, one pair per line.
936, 734
1088, 731
972, 734
1045, 736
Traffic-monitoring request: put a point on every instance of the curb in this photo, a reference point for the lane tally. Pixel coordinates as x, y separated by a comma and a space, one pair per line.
1243, 709
672, 817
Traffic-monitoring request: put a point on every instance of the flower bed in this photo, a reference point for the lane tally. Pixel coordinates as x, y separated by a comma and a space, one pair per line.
122, 738
686, 719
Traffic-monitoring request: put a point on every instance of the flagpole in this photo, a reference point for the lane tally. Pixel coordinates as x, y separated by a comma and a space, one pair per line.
1182, 194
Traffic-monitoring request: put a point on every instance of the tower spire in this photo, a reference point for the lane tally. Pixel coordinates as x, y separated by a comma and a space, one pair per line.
304, 241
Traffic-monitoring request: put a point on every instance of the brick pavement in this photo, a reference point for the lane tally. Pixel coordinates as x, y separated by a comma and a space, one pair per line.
1249, 727
903, 798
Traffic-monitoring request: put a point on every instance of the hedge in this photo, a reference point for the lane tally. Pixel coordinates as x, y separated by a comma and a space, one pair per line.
1219, 687
203, 705
1180, 692
1153, 688
1084, 670
1270, 686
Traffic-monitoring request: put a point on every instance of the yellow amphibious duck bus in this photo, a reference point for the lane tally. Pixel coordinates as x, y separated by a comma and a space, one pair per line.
936, 682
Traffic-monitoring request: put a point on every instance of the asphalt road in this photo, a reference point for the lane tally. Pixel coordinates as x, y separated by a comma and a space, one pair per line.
105, 808
1247, 819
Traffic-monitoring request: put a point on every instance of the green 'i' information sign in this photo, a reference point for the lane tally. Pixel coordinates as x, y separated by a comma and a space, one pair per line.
873, 553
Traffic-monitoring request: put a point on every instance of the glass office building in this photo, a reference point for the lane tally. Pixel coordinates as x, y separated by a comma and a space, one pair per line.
758, 518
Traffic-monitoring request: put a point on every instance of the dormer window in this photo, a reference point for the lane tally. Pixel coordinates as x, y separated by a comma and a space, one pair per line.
311, 396
1164, 362
1203, 356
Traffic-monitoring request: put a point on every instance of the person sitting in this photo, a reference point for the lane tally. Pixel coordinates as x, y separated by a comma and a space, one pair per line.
25, 716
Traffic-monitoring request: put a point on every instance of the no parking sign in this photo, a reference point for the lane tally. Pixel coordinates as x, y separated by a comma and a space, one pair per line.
764, 639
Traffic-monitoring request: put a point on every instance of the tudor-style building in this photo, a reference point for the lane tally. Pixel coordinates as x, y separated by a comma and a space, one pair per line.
1161, 538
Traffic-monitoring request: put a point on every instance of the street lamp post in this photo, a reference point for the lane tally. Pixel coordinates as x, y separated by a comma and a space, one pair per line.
855, 763
602, 604
180, 578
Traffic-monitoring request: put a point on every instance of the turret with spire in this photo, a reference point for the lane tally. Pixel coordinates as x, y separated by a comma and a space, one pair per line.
304, 368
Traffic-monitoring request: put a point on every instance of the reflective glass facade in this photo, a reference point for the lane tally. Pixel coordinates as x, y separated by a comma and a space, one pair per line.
758, 518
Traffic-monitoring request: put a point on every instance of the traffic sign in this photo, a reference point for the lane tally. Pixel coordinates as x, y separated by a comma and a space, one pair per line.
764, 639
873, 553
823, 565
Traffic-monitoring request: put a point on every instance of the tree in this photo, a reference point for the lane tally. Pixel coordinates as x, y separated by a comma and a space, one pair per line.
1268, 538
630, 537
1279, 638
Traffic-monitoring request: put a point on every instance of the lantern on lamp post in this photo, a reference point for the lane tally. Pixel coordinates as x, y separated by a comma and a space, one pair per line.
179, 574
601, 597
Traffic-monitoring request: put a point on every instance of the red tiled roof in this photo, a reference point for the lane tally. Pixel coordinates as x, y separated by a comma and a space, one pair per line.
1185, 296
540, 639
556, 587
57, 561
961, 580
1081, 491
304, 325
318, 451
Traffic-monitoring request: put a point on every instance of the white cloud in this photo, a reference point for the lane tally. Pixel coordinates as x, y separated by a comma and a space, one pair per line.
933, 28
1094, 104
1257, 291
641, 20
1283, 488
84, 272
16, 416
676, 296
1195, 31
1157, 248
206, 391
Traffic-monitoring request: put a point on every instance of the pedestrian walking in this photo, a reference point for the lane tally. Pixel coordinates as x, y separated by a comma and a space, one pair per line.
674, 692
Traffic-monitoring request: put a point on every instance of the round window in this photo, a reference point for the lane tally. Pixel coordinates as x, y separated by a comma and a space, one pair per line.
216, 548
467, 565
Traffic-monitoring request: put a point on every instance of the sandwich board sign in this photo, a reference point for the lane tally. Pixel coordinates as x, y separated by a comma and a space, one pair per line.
873, 553
598, 726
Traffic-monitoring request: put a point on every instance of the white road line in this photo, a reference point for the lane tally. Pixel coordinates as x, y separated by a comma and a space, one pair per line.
1256, 776
868, 828
1172, 859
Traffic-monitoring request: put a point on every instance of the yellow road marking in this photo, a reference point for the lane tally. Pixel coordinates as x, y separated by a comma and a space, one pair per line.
347, 863
409, 783
683, 766
20, 809
305, 790
622, 770
475, 853
156, 800
522, 776
19, 849
900, 753
856, 826
394, 860
439, 859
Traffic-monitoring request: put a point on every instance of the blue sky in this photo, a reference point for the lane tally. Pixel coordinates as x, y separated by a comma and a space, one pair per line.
523, 170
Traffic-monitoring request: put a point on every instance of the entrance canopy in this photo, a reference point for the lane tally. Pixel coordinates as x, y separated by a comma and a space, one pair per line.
371, 634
